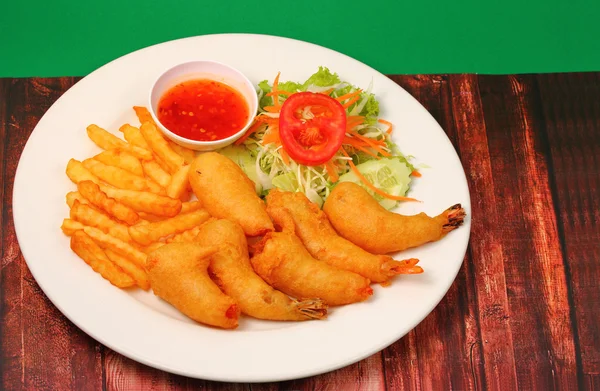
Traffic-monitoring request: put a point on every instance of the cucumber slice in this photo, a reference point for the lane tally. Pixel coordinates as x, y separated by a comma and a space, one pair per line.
388, 174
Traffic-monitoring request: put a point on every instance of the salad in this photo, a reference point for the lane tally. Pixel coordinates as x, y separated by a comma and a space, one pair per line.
307, 137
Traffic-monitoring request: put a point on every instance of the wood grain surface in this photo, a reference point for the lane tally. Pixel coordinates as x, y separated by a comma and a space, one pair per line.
523, 312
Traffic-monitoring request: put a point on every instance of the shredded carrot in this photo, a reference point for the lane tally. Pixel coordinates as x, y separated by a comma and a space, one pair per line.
351, 102
372, 143
348, 96
370, 185
275, 93
416, 173
272, 109
272, 136
360, 146
249, 132
326, 92
332, 171
388, 123
282, 92
285, 157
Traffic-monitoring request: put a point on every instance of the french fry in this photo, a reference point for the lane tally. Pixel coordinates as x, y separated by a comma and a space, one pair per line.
73, 196
120, 178
179, 182
83, 245
77, 172
150, 218
156, 172
69, 227
185, 236
106, 140
144, 116
87, 215
187, 207
134, 137
145, 234
99, 199
187, 154
121, 159
137, 273
142, 201
117, 245
153, 246
160, 146
162, 164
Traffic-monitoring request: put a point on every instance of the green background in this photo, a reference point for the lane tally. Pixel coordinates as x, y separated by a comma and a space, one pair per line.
67, 38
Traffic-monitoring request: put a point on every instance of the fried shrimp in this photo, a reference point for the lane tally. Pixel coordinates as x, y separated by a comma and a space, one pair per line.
283, 262
232, 271
358, 217
227, 193
178, 274
322, 242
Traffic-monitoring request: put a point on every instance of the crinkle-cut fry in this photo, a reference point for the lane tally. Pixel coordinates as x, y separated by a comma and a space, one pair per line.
160, 146
178, 274
145, 234
107, 140
73, 196
137, 273
100, 200
121, 159
153, 246
144, 116
120, 178
143, 201
134, 137
162, 164
187, 154
190, 206
85, 247
69, 227
77, 173
87, 215
186, 236
155, 172
150, 218
179, 182
117, 245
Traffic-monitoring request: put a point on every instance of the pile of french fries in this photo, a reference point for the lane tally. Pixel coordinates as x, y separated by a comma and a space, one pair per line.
131, 199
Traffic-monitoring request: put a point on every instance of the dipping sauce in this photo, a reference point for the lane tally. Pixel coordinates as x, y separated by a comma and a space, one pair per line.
203, 110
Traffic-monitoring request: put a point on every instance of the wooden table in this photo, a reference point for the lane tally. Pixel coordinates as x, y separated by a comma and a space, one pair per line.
522, 313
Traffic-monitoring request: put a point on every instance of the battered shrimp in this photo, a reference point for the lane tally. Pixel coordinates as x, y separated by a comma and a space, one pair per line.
323, 243
358, 217
227, 193
178, 274
232, 271
283, 262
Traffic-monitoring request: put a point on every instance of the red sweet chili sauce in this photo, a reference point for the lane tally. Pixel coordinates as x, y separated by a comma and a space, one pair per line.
203, 110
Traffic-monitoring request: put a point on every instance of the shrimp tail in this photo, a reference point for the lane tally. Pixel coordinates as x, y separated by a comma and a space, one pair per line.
312, 308
407, 266
456, 216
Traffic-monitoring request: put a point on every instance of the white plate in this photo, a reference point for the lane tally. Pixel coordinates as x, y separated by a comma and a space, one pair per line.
147, 330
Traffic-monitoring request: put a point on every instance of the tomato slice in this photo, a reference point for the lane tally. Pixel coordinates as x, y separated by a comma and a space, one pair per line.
311, 127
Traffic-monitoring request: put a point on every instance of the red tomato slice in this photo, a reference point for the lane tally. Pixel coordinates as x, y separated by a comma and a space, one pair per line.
311, 127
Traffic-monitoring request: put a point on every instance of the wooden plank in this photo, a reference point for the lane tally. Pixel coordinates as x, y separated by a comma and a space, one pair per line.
571, 111
125, 374
444, 351
41, 349
539, 313
486, 247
